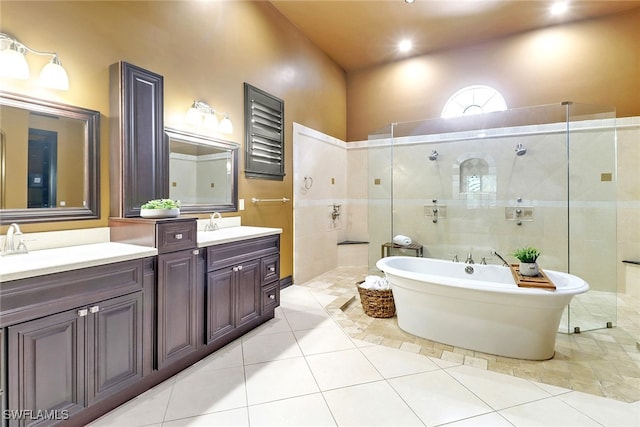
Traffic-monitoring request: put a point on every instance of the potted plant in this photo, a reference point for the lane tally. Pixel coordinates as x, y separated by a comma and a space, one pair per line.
160, 208
528, 257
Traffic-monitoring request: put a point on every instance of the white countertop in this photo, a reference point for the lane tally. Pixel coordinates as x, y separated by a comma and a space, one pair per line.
48, 261
233, 234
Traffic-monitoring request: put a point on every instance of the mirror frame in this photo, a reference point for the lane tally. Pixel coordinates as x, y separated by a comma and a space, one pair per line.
91, 162
194, 138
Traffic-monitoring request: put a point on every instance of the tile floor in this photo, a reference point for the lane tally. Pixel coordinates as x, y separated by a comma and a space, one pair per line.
303, 369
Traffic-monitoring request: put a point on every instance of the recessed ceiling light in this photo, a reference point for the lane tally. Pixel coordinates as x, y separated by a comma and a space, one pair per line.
559, 7
405, 45
409, 1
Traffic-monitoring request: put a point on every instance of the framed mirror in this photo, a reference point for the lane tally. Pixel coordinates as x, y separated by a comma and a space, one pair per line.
49, 161
203, 172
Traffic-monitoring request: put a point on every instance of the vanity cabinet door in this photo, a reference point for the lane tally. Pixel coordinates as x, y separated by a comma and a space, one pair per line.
178, 320
248, 292
233, 298
46, 367
220, 303
3, 378
139, 154
114, 340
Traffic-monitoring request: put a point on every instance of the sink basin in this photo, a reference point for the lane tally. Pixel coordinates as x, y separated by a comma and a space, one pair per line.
232, 234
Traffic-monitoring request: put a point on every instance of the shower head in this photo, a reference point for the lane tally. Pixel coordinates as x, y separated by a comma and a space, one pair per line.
520, 150
433, 156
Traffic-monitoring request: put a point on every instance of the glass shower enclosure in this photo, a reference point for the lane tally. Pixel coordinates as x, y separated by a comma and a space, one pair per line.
470, 186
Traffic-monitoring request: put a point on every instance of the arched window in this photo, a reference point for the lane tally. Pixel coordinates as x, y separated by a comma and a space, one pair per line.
476, 99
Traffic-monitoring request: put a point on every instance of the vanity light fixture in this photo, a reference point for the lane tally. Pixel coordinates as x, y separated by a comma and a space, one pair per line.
202, 114
13, 64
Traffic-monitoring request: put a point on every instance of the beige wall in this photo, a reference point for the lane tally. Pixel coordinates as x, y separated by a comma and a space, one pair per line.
594, 62
205, 51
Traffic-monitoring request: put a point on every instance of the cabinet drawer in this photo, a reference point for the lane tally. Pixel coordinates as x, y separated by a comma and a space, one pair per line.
270, 297
226, 254
270, 269
175, 236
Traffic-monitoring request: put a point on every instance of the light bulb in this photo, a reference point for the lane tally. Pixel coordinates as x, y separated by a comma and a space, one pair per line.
54, 76
193, 115
225, 124
13, 64
210, 121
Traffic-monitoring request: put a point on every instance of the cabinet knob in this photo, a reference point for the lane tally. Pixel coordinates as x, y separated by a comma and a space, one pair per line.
239, 267
83, 312
94, 309
272, 297
272, 269
178, 236
196, 251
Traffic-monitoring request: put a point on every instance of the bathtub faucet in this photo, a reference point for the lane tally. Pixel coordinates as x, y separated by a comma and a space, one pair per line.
469, 259
504, 263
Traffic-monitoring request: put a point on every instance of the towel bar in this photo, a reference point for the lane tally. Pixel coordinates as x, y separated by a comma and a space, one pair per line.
282, 200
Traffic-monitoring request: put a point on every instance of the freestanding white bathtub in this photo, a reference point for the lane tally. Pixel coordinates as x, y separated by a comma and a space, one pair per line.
483, 311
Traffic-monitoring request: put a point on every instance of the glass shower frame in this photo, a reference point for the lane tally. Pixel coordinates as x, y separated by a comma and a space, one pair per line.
541, 176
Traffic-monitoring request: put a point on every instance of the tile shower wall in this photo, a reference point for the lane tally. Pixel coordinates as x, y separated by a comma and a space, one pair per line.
322, 160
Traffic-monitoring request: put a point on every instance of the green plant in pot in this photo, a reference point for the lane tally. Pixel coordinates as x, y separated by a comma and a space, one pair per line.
528, 257
160, 208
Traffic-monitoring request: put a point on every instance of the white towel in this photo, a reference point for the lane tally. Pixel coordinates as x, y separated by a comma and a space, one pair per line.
375, 282
402, 240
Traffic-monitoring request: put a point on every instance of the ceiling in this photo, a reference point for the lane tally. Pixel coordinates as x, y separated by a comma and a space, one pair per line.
361, 33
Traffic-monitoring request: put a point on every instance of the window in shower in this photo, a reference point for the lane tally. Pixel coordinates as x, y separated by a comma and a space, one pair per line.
475, 99
474, 179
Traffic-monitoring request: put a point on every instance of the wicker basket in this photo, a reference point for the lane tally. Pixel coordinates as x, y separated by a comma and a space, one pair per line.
377, 303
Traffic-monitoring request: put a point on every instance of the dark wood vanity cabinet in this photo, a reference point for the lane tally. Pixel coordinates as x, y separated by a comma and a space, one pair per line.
67, 351
139, 153
242, 285
180, 281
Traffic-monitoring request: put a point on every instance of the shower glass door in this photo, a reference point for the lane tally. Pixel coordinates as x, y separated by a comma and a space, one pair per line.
591, 172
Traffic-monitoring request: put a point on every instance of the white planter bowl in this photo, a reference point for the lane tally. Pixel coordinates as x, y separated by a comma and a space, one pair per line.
529, 269
160, 213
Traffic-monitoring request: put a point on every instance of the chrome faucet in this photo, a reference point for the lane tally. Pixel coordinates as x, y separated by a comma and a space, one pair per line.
213, 224
469, 259
14, 235
455, 258
504, 263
